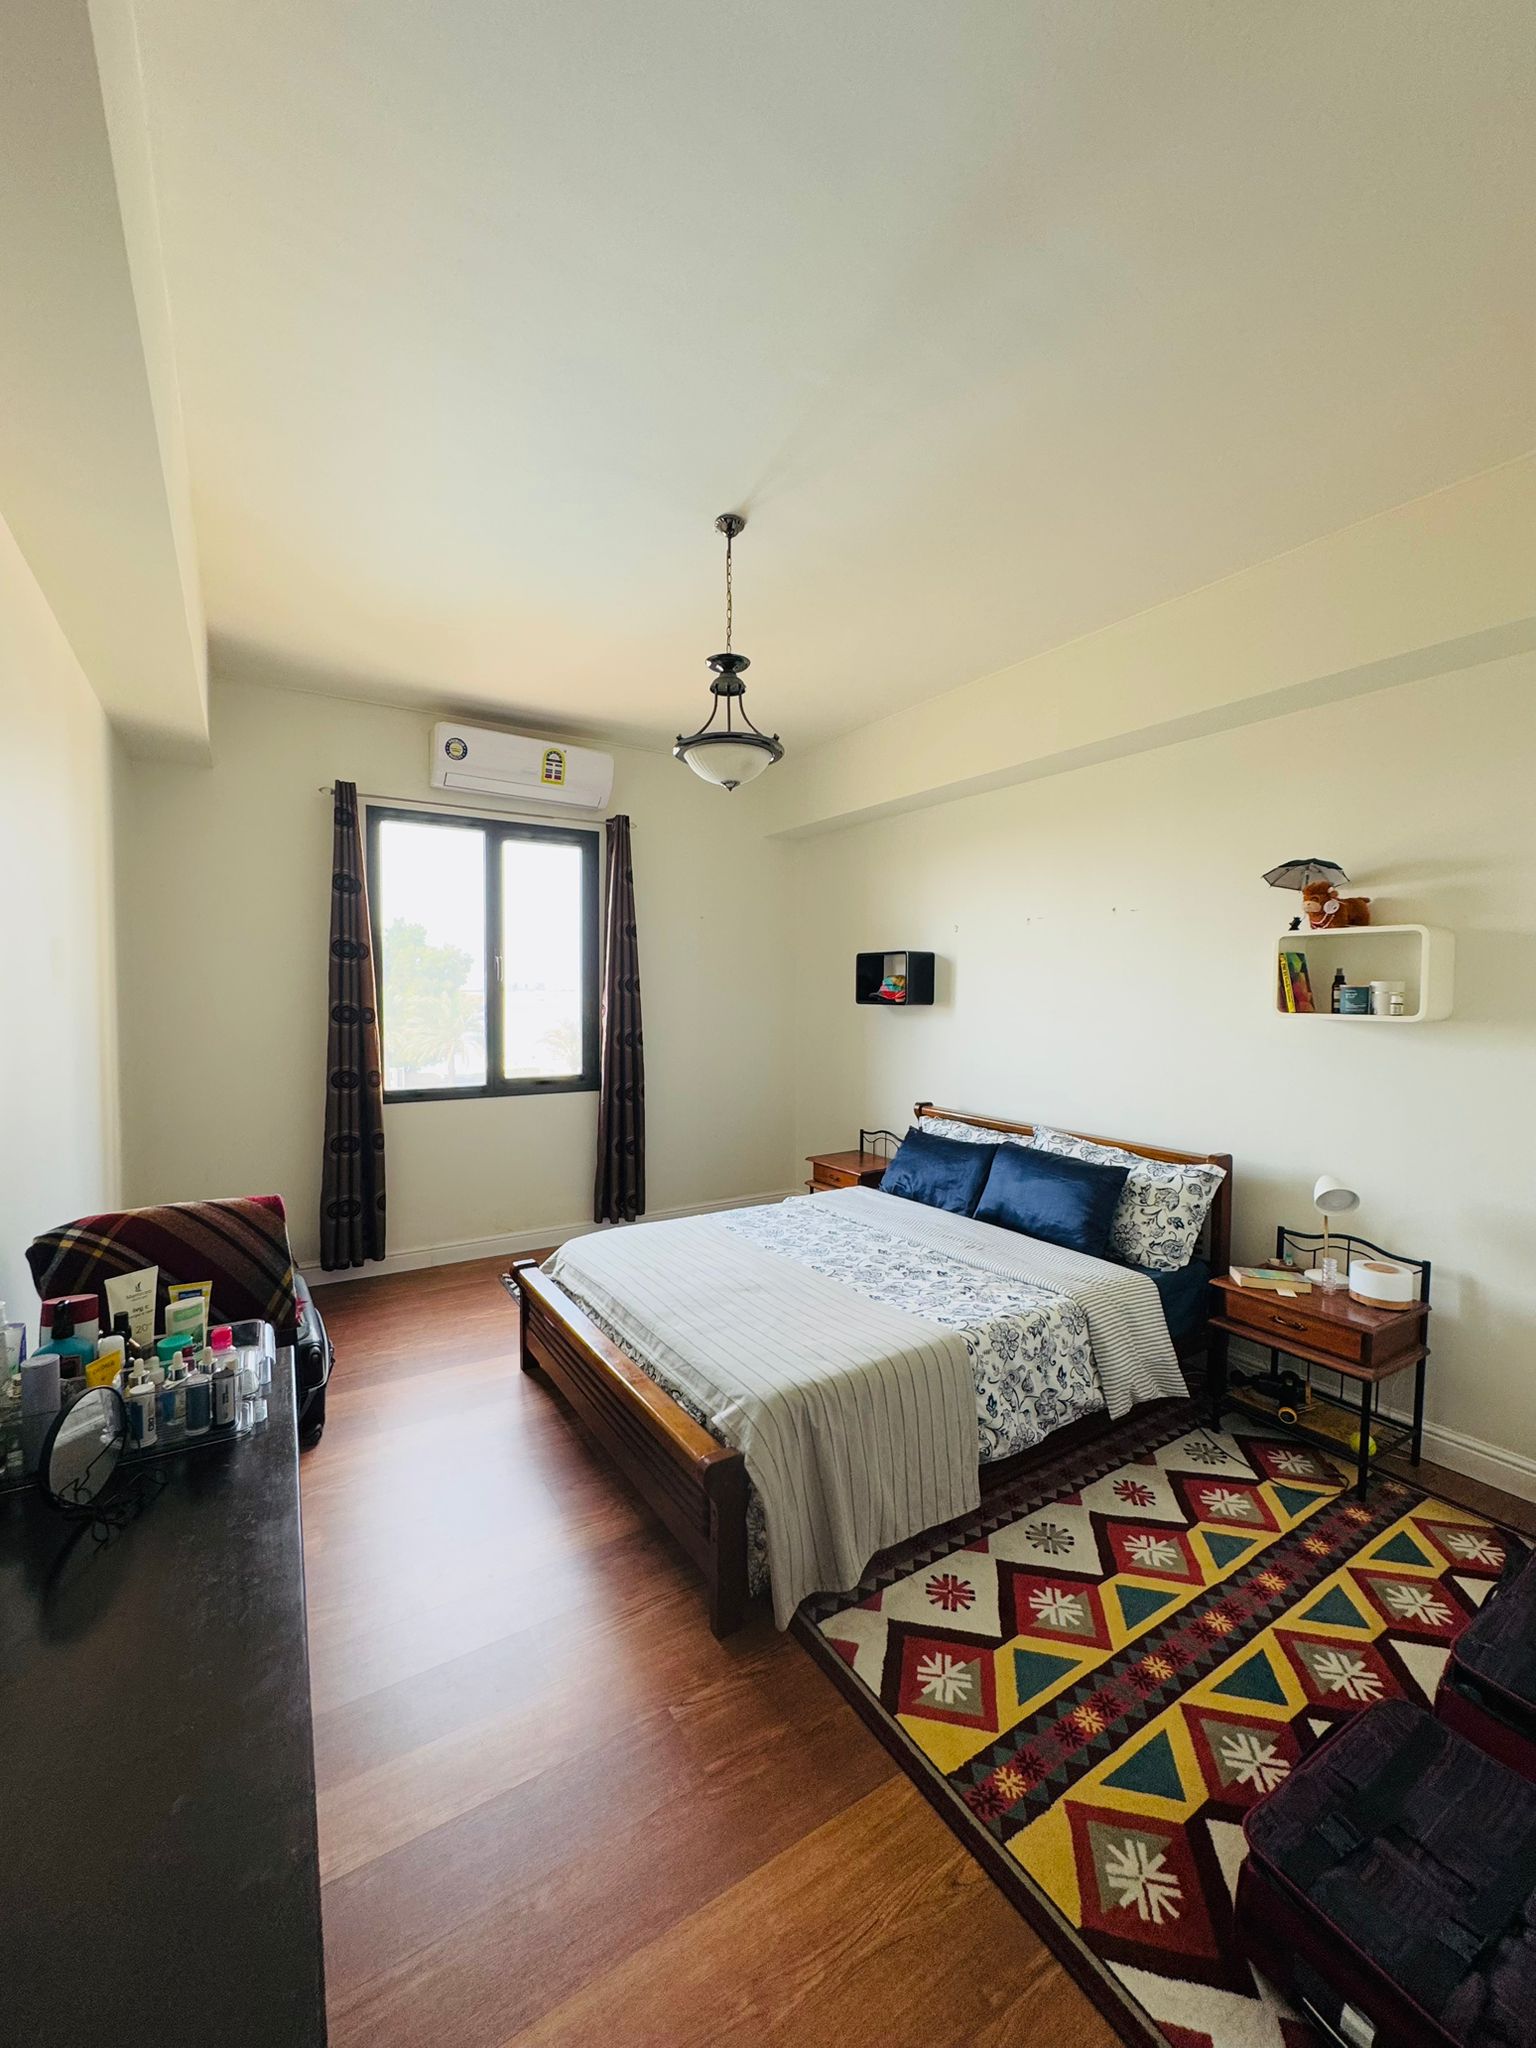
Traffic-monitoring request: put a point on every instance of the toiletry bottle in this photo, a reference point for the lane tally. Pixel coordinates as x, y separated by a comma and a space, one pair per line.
110, 1364
1338, 983
226, 1376
74, 1354
10, 1426
253, 1405
199, 1401
167, 1351
133, 1350
140, 1402
40, 1403
171, 1413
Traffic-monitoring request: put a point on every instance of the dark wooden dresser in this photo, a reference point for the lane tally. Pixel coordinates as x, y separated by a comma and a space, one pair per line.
159, 1879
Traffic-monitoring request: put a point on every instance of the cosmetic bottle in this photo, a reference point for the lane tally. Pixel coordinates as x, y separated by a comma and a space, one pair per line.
225, 1374
199, 1390
139, 1398
171, 1404
133, 1350
75, 1315
110, 1365
253, 1400
11, 1461
40, 1403
76, 1356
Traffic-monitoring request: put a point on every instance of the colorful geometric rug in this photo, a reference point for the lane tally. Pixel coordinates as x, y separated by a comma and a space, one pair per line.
1096, 1676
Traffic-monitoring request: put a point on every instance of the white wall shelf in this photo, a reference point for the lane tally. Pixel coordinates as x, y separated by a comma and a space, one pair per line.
1421, 955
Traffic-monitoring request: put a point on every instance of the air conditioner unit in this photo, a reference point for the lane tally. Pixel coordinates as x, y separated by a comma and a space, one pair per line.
478, 763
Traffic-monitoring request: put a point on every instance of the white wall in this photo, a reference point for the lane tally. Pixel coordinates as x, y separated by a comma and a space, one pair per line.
227, 873
1443, 582
1104, 946
58, 1016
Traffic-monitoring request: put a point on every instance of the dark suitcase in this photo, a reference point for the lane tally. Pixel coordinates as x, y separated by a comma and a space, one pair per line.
1487, 1691
1390, 1888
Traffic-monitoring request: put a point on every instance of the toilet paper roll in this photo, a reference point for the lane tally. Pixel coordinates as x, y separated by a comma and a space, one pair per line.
1382, 1283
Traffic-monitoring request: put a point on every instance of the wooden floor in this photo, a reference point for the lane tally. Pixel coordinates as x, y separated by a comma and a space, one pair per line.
553, 1810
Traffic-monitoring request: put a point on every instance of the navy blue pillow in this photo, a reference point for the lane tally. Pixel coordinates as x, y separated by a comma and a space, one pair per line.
946, 1173
1048, 1195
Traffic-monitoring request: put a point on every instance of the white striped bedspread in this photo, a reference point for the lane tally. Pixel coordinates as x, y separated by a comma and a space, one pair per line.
865, 1353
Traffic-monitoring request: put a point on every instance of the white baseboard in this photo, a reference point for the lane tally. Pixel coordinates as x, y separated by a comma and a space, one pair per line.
1475, 1459
1457, 1451
513, 1242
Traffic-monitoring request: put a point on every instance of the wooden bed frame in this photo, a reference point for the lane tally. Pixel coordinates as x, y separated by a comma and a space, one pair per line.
698, 1487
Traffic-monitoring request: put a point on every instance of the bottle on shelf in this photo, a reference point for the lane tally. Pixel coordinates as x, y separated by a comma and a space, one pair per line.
74, 1354
171, 1403
139, 1398
1338, 983
225, 1374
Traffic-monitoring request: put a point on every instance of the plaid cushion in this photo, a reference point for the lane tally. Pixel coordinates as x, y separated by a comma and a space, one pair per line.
241, 1246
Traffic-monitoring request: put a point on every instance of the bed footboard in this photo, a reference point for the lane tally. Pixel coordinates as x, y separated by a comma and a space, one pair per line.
698, 1487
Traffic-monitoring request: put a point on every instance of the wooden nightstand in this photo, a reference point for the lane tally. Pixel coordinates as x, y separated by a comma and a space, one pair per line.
845, 1170
1363, 1345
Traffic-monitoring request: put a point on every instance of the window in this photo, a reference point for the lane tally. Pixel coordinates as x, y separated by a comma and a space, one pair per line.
486, 939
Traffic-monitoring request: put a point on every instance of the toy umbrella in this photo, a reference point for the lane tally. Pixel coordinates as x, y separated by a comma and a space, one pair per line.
1296, 874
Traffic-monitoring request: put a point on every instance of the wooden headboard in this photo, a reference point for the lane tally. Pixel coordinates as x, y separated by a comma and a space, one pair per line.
1216, 1238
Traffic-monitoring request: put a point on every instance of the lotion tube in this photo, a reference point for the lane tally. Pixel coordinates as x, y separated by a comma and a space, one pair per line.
133, 1295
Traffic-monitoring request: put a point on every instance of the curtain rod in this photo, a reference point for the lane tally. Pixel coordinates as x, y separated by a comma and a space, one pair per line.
471, 809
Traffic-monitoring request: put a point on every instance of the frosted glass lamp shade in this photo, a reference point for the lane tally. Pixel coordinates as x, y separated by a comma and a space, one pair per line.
1332, 1197
727, 760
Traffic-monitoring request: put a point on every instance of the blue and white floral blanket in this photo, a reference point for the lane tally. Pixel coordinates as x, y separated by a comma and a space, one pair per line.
865, 1353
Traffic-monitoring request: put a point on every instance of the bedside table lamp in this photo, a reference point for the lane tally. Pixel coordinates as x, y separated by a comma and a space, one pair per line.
1332, 1198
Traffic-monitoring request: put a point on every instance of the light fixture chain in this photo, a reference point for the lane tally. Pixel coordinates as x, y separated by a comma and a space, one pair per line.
728, 539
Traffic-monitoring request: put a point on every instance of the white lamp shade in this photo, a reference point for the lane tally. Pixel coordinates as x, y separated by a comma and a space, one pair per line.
728, 763
1332, 1197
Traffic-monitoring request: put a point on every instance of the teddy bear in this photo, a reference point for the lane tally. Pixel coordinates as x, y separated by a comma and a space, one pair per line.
1328, 911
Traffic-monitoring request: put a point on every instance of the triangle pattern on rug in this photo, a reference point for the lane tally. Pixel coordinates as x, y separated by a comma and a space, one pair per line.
1226, 1548
1295, 1499
1036, 1671
1336, 1610
1254, 1679
1401, 1549
1424, 1662
1140, 1603
1152, 1769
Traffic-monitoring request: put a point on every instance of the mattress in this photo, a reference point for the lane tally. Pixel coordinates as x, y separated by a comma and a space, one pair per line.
826, 1336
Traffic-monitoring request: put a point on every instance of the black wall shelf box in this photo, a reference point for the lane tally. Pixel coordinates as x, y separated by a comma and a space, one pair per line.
893, 981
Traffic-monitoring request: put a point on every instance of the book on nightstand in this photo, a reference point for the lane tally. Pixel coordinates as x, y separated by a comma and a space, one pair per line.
1278, 1279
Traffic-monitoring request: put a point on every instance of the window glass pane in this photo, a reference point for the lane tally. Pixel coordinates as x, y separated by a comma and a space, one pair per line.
541, 930
431, 912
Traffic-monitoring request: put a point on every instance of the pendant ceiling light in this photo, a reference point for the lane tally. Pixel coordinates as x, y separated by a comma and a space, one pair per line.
734, 752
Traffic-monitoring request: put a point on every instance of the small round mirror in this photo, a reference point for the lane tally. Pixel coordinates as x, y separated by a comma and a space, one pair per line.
80, 1456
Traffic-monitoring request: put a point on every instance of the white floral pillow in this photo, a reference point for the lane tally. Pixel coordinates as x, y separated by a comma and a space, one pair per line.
1162, 1206
968, 1134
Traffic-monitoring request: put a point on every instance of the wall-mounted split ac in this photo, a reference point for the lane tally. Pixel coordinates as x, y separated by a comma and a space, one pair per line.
475, 762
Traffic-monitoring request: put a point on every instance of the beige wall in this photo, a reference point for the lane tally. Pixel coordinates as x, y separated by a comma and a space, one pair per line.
226, 871
1443, 582
1104, 946
58, 1017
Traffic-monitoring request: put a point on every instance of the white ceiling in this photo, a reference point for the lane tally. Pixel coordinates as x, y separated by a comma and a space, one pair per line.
1001, 320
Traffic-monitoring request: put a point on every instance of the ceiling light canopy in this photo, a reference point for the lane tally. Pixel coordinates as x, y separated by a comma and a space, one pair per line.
734, 752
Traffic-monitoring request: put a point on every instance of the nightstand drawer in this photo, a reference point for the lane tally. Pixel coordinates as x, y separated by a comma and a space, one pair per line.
845, 1169
824, 1176
1288, 1321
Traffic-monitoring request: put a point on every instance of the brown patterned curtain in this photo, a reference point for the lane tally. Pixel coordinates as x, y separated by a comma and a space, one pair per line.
352, 1177
619, 1196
